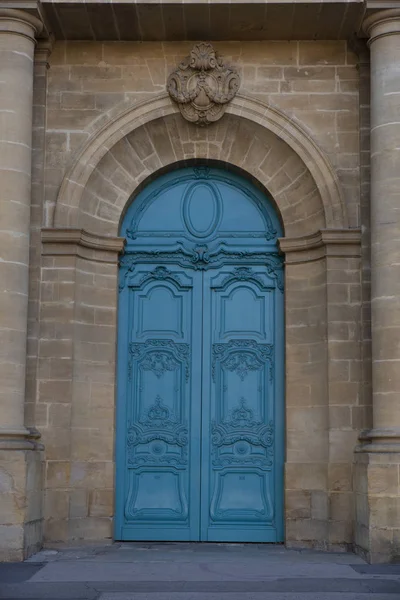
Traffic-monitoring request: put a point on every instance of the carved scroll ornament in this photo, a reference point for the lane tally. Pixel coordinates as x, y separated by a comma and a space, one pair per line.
202, 85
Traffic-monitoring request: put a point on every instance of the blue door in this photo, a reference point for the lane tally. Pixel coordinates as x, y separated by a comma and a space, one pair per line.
200, 363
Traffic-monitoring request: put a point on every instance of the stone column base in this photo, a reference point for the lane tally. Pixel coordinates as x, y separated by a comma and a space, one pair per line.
21, 496
377, 501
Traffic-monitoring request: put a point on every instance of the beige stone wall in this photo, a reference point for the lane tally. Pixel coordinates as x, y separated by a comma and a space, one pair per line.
315, 83
377, 492
316, 86
324, 408
76, 394
21, 501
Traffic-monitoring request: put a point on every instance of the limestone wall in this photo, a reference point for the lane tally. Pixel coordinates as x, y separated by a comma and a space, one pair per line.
317, 86
316, 83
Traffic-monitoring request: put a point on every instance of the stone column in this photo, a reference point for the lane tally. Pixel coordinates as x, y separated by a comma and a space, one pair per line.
17, 44
378, 463
20, 458
383, 29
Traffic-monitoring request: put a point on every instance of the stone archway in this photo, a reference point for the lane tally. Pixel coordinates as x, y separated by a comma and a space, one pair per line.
321, 259
164, 138
163, 143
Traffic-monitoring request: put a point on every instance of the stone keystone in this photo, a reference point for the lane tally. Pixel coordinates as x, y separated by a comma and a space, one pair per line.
202, 85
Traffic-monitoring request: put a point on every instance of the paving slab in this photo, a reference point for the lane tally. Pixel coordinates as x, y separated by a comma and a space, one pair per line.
127, 551
274, 585
250, 596
391, 570
146, 571
303, 585
16, 572
207, 570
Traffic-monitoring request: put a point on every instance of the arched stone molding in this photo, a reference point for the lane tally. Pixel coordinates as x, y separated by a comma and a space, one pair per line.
296, 174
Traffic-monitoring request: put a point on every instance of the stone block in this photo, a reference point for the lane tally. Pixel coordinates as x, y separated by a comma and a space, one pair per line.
21, 503
72, 100
55, 530
377, 505
55, 348
340, 477
344, 392
381, 546
78, 504
269, 53
319, 505
34, 506
60, 415
383, 480
298, 450
57, 474
307, 530
341, 506
102, 443
53, 391
361, 538
341, 533
306, 476
91, 528
361, 417
93, 475
308, 418
54, 368
93, 444
298, 395
101, 503
12, 543
82, 53
12, 508
384, 511
340, 417
342, 444
33, 541
100, 372
58, 53
57, 443
56, 504
71, 119
297, 504
102, 395
346, 349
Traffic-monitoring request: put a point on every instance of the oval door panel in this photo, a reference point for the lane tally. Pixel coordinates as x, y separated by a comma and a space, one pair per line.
202, 209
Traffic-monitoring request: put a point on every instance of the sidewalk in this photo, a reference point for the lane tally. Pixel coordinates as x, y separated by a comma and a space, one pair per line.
142, 571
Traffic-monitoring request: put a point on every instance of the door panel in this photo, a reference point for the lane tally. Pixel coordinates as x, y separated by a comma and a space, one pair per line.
162, 348
238, 478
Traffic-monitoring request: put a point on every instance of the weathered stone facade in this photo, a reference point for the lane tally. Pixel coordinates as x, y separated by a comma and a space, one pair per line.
84, 125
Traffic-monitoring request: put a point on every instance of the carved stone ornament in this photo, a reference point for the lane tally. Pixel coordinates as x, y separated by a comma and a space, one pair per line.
202, 85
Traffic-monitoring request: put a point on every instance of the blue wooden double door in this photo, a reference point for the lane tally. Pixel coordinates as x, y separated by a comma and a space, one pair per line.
200, 363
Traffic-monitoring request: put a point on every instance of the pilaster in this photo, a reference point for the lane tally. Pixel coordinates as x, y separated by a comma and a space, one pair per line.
20, 452
378, 455
323, 380
76, 393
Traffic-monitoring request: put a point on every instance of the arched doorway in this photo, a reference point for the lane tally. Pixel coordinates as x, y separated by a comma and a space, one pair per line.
200, 363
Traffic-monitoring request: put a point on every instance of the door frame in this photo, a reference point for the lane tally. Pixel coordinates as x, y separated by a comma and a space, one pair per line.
121, 374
